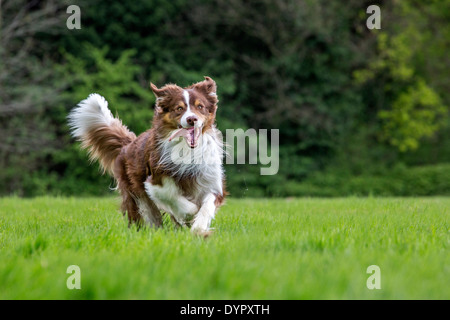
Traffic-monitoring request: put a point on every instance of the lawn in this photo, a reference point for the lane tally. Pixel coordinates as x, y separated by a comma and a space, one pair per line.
261, 249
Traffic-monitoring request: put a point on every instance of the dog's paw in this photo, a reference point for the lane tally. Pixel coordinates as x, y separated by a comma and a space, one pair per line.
200, 226
203, 233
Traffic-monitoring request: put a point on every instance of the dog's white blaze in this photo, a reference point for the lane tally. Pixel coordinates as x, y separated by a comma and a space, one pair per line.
188, 112
186, 98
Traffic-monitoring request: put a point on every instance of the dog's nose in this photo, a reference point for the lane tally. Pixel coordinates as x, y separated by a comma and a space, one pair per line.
191, 120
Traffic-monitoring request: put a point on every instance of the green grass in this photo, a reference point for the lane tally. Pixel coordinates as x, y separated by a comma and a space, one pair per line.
262, 249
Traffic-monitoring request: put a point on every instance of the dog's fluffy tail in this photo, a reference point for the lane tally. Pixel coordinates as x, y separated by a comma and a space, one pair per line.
92, 123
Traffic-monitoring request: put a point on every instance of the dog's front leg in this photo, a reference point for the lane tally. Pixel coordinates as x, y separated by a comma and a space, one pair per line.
168, 197
202, 219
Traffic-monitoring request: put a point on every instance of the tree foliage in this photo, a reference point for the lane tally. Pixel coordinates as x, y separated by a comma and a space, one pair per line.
409, 102
347, 100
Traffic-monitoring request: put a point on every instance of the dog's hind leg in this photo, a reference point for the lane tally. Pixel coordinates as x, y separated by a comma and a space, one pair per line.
149, 212
130, 208
141, 210
174, 221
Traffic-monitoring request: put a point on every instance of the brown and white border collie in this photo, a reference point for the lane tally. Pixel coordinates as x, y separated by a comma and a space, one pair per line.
174, 167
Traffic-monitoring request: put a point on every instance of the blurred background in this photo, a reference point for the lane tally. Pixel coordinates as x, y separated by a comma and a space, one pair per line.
360, 112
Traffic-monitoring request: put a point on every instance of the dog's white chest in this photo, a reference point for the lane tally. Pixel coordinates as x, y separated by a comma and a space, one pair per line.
203, 164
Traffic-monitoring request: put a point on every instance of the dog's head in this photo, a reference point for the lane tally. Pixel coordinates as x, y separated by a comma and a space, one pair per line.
186, 112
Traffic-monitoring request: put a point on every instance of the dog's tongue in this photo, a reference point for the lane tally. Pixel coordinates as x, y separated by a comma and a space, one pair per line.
190, 134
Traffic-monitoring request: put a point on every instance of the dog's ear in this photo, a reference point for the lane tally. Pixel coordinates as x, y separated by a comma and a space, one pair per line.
209, 88
159, 94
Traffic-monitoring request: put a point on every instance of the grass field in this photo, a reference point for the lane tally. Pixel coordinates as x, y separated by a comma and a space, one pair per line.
261, 249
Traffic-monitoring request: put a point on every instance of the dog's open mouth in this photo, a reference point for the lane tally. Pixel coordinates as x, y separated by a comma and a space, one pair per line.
191, 135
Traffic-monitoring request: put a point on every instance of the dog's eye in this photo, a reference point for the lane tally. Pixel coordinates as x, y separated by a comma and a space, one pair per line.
200, 106
180, 109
